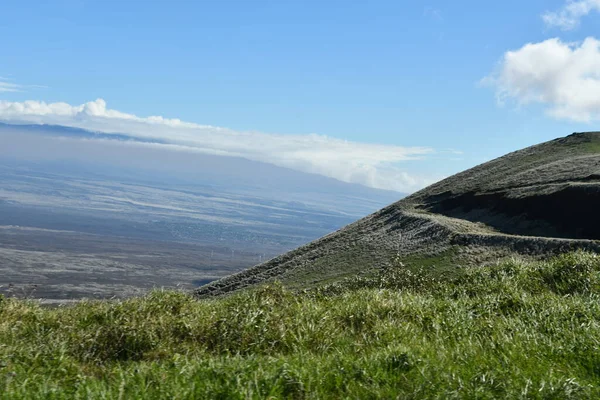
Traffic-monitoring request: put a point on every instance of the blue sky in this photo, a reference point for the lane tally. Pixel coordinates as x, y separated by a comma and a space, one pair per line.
387, 73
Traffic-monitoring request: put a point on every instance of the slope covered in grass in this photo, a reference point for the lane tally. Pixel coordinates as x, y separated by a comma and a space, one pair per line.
535, 202
512, 330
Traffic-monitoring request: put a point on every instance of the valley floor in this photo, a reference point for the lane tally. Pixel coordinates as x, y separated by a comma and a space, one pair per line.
512, 330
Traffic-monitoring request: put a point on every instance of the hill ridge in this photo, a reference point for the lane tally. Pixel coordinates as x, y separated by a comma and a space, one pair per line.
533, 202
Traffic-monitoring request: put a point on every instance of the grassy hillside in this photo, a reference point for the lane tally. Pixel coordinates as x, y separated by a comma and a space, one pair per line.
511, 330
533, 202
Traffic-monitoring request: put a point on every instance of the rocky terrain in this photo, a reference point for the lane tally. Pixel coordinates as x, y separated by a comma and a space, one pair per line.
535, 202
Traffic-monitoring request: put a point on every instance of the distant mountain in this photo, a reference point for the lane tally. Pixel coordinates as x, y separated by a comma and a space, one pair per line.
533, 202
116, 156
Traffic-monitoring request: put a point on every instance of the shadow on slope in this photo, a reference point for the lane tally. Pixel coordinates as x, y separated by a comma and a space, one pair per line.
569, 212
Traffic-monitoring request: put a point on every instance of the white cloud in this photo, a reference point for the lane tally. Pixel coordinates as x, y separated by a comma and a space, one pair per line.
434, 13
8, 87
563, 76
368, 164
569, 16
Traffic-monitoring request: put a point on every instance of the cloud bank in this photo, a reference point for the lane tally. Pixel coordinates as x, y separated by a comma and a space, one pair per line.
563, 76
569, 16
368, 164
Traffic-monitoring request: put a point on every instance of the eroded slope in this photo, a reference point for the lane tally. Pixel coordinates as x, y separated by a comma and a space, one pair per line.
550, 190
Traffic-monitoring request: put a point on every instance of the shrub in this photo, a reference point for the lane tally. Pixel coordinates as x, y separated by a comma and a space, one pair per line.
572, 273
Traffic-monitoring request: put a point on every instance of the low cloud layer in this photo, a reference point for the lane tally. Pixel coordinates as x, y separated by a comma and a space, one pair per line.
368, 164
569, 16
563, 76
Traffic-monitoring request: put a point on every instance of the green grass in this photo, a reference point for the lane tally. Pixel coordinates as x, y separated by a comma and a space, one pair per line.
592, 145
515, 330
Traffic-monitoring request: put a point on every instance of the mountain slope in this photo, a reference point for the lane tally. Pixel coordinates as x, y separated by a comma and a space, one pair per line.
537, 201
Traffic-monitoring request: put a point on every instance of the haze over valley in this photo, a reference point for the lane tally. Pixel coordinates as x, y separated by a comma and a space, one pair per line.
80, 218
